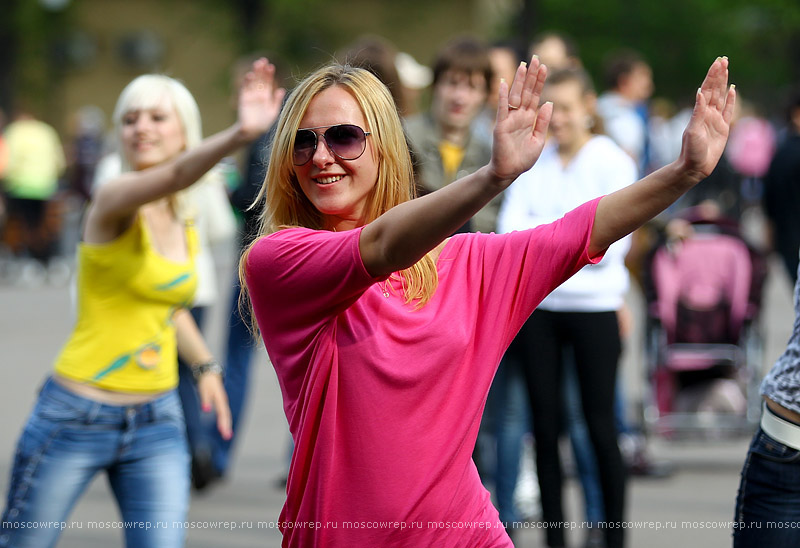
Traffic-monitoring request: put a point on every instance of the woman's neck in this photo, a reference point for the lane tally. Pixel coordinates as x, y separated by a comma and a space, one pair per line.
340, 224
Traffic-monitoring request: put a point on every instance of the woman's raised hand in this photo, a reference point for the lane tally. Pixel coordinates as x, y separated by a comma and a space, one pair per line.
259, 99
521, 127
705, 137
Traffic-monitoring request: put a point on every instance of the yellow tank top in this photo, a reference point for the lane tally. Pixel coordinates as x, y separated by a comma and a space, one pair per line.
124, 338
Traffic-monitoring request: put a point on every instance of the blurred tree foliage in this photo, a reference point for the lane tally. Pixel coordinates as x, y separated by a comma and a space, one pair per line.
284, 26
32, 60
680, 38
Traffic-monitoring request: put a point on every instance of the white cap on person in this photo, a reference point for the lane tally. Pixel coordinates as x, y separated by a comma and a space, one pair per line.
412, 74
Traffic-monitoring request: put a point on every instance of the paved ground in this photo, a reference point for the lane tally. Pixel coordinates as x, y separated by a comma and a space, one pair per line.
690, 508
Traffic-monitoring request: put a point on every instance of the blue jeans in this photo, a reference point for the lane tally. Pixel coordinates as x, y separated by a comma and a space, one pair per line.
768, 503
68, 439
238, 356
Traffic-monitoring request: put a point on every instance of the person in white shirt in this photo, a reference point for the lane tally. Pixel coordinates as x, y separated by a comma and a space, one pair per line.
623, 107
581, 314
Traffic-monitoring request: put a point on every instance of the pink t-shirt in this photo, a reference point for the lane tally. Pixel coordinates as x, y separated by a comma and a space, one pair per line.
384, 401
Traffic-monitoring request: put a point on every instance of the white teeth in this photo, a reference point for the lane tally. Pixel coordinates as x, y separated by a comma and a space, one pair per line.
328, 180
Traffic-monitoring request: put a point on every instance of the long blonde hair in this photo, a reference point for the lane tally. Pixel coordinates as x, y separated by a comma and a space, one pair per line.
285, 204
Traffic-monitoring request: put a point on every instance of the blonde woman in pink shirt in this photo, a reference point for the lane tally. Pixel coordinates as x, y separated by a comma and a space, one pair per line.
385, 333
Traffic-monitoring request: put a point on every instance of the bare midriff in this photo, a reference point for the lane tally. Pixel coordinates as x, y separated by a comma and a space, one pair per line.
781, 411
104, 396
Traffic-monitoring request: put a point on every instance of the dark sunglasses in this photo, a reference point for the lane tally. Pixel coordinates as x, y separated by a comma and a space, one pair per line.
346, 141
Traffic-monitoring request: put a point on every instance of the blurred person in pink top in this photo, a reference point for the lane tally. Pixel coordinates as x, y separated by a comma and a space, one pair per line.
385, 333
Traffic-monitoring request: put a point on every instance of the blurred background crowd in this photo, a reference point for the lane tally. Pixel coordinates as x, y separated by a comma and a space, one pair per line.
63, 63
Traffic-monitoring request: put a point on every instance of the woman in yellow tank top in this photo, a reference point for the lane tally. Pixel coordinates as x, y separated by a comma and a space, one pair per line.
111, 404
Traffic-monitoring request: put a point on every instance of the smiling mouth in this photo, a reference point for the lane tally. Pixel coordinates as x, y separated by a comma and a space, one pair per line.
328, 180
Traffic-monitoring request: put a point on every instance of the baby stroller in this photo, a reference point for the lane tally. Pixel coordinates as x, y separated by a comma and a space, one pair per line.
704, 347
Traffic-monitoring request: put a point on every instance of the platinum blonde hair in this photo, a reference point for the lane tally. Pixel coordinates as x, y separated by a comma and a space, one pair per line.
156, 90
153, 91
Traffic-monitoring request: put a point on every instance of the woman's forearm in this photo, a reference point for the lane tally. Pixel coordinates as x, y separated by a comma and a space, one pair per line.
702, 146
620, 213
192, 346
196, 162
133, 189
403, 235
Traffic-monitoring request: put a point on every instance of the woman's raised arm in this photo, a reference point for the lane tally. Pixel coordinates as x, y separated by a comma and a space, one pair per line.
115, 202
403, 235
704, 140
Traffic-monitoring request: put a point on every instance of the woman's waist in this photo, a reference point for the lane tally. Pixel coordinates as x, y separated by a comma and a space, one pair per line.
139, 365
105, 396
781, 411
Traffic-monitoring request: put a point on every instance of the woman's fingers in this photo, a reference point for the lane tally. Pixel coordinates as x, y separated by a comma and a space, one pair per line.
541, 77
730, 102
525, 91
704, 138
534, 83
260, 76
715, 90
224, 421
716, 72
515, 93
542, 122
715, 83
213, 397
502, 100
715, 98
701, 101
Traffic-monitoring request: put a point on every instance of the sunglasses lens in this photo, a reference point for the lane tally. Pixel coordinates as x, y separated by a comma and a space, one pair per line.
304, 144
346, 141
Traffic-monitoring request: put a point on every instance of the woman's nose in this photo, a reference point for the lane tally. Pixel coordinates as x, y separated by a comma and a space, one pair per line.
323, 155
143, 123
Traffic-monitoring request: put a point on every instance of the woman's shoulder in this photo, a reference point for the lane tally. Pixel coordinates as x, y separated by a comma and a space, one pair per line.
300, 235
464, 244
264, 244
302, 244
289, 233
132, 234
